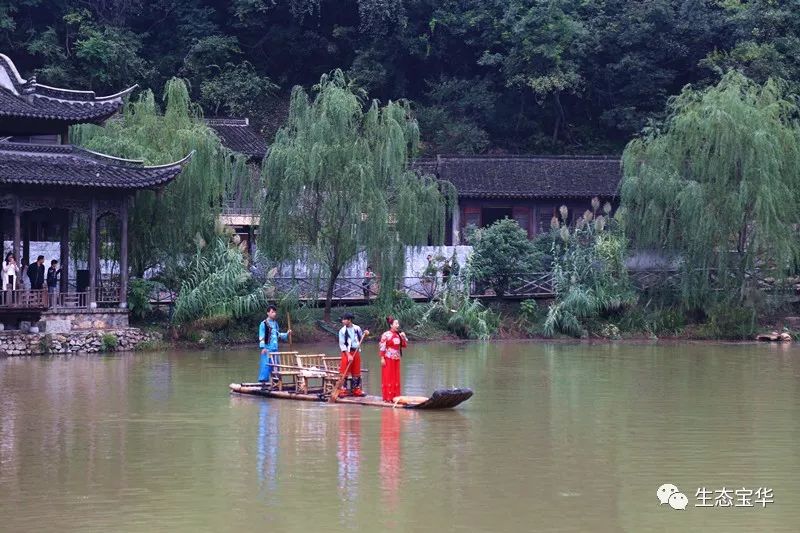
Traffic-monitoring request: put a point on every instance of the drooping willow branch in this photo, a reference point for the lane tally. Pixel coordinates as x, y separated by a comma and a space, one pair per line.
339, 181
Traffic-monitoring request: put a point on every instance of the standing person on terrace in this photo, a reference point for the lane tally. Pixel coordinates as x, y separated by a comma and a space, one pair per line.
366, 284
36, 274
268, 336
10, 272
53, 273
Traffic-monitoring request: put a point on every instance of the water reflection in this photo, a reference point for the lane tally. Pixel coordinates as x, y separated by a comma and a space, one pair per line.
267, 448
348, 454
390, 460
558, 437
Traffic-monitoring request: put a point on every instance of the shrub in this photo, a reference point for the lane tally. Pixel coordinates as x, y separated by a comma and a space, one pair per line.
217, 283
590, 278
109, 342
500, 251
194, 335
151, 346
531, 311
610, 331
667, 321
45, 341
659, 321
461, 315
729, 321
139, 297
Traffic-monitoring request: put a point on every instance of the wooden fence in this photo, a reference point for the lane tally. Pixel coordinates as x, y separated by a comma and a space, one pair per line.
536, 285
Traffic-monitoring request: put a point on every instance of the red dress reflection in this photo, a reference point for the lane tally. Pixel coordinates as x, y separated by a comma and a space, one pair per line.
390, 456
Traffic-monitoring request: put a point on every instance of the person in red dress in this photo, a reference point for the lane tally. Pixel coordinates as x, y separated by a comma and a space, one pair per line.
391, 349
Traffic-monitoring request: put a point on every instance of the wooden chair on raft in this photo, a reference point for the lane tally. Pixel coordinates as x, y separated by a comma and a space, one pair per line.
313, 367
284, 369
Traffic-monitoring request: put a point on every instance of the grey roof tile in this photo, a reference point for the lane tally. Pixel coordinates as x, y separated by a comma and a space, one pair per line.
530, 176
237, 135
67, 165
27, 99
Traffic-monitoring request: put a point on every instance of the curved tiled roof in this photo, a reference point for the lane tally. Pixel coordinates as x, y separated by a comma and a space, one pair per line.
67, 165
237, 135
26, 99
531, 176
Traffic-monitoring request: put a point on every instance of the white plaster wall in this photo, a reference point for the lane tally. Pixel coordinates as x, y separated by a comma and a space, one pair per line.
52, 250
415, 260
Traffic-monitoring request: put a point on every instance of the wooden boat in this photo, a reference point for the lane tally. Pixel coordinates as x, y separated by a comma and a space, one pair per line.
440, 399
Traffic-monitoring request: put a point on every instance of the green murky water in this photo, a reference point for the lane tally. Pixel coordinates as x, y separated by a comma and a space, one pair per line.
558, 437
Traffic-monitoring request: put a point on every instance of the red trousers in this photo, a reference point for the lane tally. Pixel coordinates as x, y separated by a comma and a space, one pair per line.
390, 379
355, 368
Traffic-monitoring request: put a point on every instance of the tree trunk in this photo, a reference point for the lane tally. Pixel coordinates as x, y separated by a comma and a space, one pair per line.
742, 252
333, 276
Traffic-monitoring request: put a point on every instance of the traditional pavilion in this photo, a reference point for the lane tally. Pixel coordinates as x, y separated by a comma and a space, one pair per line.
44, 181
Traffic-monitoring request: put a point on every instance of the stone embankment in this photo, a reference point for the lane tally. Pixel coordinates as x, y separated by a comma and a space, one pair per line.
74, 342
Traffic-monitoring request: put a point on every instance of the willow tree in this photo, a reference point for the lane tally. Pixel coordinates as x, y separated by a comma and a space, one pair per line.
719, 186
339, 181
164, 224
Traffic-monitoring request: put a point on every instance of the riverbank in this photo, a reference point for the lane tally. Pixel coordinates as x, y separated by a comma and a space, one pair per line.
514, 321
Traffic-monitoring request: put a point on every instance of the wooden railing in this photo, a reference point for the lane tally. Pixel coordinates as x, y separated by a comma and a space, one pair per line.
74, 300
24, 299
40, 299
521, 285
346, 289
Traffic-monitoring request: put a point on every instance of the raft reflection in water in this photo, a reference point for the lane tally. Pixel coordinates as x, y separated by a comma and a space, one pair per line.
348, 454
267, 448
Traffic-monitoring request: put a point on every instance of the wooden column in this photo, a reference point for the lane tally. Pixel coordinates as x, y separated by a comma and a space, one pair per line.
26, 240
123, 253
93, 253
66, 222
17, 232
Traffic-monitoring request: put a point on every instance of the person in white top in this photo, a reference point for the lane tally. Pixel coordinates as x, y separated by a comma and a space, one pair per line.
10, 272
350, 337
10, 278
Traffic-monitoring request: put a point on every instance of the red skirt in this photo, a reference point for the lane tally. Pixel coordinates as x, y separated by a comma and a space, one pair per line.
355, 367
390, 379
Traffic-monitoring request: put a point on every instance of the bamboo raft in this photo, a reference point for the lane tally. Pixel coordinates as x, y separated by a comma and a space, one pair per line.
440, 399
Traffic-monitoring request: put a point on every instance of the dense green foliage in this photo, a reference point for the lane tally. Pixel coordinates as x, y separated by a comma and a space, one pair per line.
338, 181
500, 252
719, 187
139, 291
146, 133
589, 273
452, 312
217, 284
109, 342
524, 75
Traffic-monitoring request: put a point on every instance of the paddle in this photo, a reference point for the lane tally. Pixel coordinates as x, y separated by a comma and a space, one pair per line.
339, 382
289, 320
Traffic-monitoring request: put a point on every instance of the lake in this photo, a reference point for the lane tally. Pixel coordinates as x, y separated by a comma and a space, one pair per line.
558, 437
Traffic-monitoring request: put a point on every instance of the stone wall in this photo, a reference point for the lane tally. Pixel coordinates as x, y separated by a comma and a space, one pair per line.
19, 343
65, 320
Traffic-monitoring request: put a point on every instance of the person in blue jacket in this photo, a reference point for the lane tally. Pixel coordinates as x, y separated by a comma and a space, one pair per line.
268, 335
